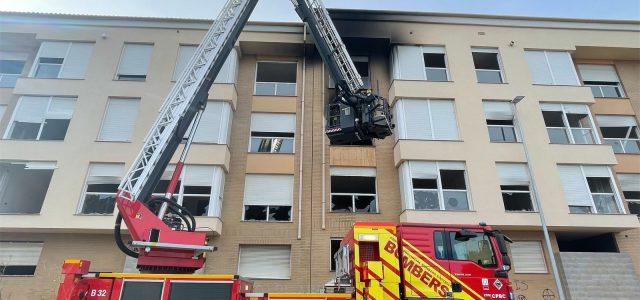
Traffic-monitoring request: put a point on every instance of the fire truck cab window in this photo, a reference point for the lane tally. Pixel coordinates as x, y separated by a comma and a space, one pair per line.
142, 290
477, 249
199, 290
438, 244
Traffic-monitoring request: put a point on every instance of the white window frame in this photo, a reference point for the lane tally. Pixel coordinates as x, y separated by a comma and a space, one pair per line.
496, 51
36, 63
440, 190
618, 85
553, 79
85, 186
179, 193
9, 129
124, 46
424, 49
274, 138
295, 84
514, 120
614, 188
622, 142
34, 244
268, 206
569, 130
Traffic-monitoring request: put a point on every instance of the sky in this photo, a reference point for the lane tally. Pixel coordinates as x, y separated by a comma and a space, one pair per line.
281, 10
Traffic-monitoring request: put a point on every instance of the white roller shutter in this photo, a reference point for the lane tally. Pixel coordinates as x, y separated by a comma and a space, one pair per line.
10, 55
498, 110
217, 192
443, 118
185, 52
576, 108
540, 72
564, 73
40, 165
265, 261
513, 174
409, 64
629, 182
414, 120
433, 49
229, 70
423, 169
353, 171
450, 165
268, 189
406, 186
576, 191
75, 63
61, 108
616, 121
20, 253
606, 73
53, 49
528, 257
268, 122
596, 171
119, 120
214, 124
105, 173
135, 59
198, 175
31, 109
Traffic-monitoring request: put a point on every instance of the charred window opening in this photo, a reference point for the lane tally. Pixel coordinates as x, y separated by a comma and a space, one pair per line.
23, 187
353, 194
276, 78
335, 246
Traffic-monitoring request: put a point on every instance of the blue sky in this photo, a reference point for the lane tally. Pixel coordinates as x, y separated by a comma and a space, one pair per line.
281, 10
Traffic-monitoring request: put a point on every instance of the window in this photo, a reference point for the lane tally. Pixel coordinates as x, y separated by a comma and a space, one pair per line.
3, 108
515, 186
100, 190
500, 121
268, 197
362, 66
528, 257
200, 188
353, 190
276, 78
226, 75
425, 119
477, 249
62, 60
134, 62
602, 79
11, 65
19, 258
551, 67
488, 65
630, 185
419, 63
435, 63
272, 133
41, 118
215, 124
119, 120
24, 185
334, 247
568, 123
428, 185
265, 261
621, 132
589, 189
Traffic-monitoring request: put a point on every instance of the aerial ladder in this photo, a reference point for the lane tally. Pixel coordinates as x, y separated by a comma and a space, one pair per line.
164, 239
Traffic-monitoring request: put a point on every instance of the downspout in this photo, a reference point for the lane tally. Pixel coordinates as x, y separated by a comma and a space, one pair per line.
304, 80
324, 162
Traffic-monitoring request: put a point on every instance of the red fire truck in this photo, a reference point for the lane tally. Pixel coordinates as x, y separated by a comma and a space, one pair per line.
377, 260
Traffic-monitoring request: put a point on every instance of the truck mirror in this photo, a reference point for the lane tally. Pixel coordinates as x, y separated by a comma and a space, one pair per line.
464, 235
506, 261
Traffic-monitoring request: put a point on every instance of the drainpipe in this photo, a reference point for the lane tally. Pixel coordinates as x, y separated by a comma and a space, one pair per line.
304, 80
324, 161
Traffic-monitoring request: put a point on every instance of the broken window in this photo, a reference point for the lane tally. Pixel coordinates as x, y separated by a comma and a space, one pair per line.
19, 258
434, 185
602, 79
276, 78
41, 118
101, 187
272, 133
500, 118
515, 187
268, 197
487, 65
435, 63
11, 66
588, 189
630, 185
199, 188
23, 186
602, 194
334, 247
621, 132
353, 190
134, 62
568, 123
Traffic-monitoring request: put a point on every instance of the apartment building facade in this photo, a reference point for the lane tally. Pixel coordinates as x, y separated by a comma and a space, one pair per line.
78, 94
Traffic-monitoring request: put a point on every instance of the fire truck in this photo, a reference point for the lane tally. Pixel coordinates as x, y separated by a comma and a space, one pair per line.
377, 260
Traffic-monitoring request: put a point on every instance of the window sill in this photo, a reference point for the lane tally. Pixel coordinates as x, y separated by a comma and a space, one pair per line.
20, 214
423, 140
94, 215
443, 210
129, 80
25, 140
105, 141
267, 222
599, 214
273, 153
56, 78
612, 98
521, 212
421, 80
549, 84
617, 153
353, 213
499, 83
505, 142
288, 96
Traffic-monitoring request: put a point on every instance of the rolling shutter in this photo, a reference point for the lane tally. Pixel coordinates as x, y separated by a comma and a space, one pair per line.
119, 120
616, 121
414, 120
267, 122
265, 261
596, 171
406, 186
576, 191
562, 68
263, 189
537, 61
185, 53
198, 175
20, 253
135, 59
31, 109
602, 73
498, 110
513, 174
53, 49
629, 182
217, 192
105, 173
353, 171
528, 257
576, 108
550, 106
214, 124
423, 169
443, 118
76, 61
409, 64
61, 108
229, 70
